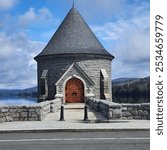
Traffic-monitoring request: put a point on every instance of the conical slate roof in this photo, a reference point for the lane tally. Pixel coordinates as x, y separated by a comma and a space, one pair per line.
72, 37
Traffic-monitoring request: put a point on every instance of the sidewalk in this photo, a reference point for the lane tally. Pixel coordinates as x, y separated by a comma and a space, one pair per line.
74, 122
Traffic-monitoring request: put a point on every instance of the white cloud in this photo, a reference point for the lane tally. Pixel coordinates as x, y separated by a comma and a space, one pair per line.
129, 35
18, 69
7, 4
5, 47
41, 17
129, 40
28, 17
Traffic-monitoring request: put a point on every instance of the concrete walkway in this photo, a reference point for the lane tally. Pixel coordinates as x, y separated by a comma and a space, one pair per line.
74, 115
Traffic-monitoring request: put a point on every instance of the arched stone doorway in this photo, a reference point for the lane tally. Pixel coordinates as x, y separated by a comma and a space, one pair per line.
74, 91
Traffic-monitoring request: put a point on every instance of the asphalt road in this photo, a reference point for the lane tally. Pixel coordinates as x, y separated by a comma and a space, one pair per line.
116, 140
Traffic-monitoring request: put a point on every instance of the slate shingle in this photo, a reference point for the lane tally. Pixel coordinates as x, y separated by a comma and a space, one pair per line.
72, 37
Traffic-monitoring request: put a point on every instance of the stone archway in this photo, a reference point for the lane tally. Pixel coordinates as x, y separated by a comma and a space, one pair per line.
74, 91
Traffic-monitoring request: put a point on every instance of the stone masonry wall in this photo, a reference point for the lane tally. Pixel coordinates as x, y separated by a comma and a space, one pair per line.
136, 111
35, 112
57, 66
120, 111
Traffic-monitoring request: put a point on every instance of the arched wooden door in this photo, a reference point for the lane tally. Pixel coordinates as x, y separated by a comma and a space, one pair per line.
74, 91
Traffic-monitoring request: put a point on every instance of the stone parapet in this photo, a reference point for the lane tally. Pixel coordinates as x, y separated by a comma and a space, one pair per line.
110, 110
120, 111
35, 112
136, 111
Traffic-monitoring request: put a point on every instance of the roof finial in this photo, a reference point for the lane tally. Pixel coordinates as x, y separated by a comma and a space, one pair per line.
73, 5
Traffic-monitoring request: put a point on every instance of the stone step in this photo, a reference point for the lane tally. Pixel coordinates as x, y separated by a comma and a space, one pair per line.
74, 115
74, 106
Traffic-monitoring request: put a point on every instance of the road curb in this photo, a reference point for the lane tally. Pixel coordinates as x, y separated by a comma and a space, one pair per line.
72, 130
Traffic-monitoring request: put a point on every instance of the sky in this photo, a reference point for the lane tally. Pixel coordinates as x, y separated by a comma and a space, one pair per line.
122, 26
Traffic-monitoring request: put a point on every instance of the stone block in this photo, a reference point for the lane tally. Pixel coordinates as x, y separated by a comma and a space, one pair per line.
6, 114
146, 106
39, 111
137, 117
20, 110
12, 110
144, 117
15, 115
25, 109
16, 119
134, 112
146, 112
4, 110
126, 114
33, 114
23, 119
124, 118
40, 118
130, 118
2, 120
33, 119
115, 111
31, 109
138, 106
117, 116
141, 112
1, 115
124, 108
132, 108
9, 118
24, 114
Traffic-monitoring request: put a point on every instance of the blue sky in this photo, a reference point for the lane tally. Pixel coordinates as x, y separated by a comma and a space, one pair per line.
26, 26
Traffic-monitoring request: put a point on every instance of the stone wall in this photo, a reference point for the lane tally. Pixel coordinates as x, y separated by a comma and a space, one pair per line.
120, 111
35, 112
136, 111
56, 67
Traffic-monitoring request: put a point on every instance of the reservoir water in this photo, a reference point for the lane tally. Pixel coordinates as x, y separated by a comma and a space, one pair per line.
14, 101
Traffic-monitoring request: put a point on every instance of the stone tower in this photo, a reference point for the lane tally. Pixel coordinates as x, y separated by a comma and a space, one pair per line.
74, 65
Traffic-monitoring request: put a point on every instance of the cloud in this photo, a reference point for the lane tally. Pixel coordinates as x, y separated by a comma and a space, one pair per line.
124, 32
18, 69
6, 48
7, 4
17, 49
39, 22
129, 40
40, 17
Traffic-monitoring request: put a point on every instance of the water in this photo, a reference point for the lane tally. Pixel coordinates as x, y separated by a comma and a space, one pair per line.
129, 99
17, 101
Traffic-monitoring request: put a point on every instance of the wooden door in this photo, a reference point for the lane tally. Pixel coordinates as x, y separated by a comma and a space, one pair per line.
74, 91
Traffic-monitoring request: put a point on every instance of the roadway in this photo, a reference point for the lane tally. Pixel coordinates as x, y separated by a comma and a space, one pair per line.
115, 140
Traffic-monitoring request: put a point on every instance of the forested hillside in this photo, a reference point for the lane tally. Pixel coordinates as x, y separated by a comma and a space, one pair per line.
131, 90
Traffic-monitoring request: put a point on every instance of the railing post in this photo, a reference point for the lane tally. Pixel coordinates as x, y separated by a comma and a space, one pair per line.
85, 113
62, 113
51, 107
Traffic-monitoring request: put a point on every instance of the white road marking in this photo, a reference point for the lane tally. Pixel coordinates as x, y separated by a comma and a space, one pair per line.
73, 139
